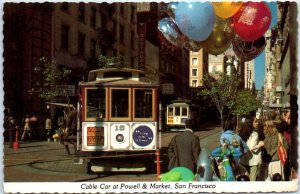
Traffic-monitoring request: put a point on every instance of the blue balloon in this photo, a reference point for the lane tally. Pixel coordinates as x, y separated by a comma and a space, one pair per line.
195, 20
169, 30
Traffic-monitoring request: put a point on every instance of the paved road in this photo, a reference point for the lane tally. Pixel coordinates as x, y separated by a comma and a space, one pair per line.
48, 162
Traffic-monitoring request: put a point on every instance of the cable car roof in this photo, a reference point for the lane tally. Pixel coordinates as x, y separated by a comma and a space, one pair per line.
107, 73
117, 77
61, 104
119, 82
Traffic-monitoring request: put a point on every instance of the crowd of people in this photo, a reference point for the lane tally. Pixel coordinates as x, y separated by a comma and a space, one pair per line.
259, 147
28, 129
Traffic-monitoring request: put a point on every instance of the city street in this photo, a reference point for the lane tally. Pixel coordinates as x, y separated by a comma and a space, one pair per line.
48, 162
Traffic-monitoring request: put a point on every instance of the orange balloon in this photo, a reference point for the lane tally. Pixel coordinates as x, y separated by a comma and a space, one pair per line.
226, 9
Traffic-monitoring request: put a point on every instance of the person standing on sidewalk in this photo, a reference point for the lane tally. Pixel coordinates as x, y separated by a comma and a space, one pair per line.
252, 160
184, 148
10, 125
273, 138
26, 129
48, 127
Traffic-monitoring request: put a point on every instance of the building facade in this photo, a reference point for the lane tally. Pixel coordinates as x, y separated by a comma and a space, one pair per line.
72, 34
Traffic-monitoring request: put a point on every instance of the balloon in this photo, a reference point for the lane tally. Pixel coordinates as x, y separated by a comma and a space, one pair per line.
226, 9
247, 51
195, 20
252, 20
220, 38
170, 31
171, 176
186, 174
204, 166
171, 7
192, 45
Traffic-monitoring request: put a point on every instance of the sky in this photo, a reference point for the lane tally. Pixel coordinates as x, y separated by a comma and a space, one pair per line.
260, 60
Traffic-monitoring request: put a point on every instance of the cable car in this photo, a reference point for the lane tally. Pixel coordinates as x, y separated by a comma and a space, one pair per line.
177, 113
119, 117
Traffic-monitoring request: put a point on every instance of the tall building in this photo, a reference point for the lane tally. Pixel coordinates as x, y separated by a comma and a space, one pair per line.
198, 68
72, 34
281, 71
27, 37
281, 81
249, 75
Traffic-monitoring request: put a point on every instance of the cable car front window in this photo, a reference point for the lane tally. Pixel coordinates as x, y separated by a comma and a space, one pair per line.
170, 111
95, 103
120, 102
143, 104
184, 111
177, 111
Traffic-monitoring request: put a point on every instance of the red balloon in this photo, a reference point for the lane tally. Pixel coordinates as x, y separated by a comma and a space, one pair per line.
252, 20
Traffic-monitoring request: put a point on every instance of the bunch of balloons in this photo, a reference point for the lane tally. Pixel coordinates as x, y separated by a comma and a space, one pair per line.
214, 26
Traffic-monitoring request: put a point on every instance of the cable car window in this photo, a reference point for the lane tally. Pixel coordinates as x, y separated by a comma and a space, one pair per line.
177, 111
143, 104
184, 111
119, 106
95, 103
170, 111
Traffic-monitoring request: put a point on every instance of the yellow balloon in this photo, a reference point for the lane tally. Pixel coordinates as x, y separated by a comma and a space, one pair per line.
220, 38
226, 9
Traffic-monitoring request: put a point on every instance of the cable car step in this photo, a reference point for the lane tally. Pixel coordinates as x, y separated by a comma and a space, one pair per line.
113, 166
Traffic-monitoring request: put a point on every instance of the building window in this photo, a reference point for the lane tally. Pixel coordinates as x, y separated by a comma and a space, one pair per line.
93, 17
81, 12
194, 72
114, 30
122, 9
65, 37
104, 49
65, 6
194, 83
81, 39
121, 34
103, 21
114, 51
132, 40
132, 62
194, 61
195, 52
132, 13
93, 48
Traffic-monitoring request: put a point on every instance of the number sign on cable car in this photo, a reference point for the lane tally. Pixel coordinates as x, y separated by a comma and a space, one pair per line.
119, 135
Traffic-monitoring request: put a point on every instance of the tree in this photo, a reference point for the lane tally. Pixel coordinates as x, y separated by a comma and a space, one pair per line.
222, 90
51, 76
245, 103
107, 62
